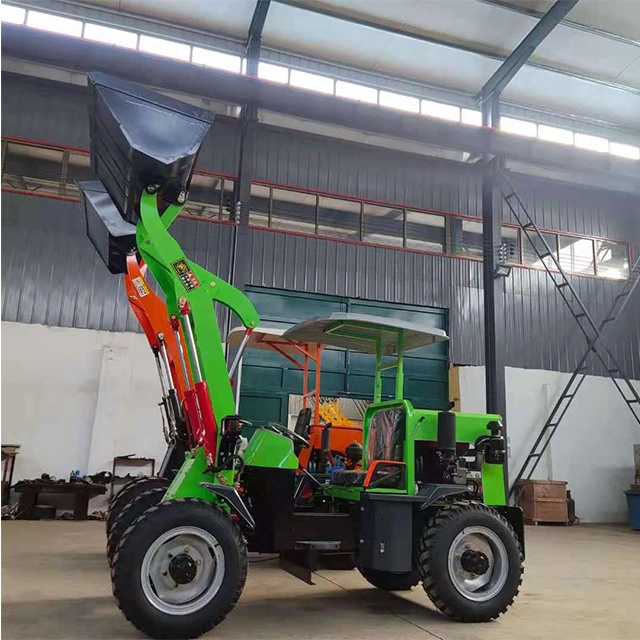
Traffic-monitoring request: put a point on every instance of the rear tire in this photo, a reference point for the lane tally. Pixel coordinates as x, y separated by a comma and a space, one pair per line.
388, 581
129, 493
129, 514
179, 569
470, 561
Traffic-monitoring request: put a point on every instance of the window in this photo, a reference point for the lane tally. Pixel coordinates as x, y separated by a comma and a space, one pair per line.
57, 24
30, 168
98, 33
14, 15
466, 237
593, 143
78, 169
511, 242
529, 255
612, 259
425, 231
311, 81
576, 254
217, 60
165, 48
273, 72
339, 218
259, 213
383, 225
519, 127
206, 197
624, 151
553, 134
439, 110
293, 211
472, 117
397, 101
356, 92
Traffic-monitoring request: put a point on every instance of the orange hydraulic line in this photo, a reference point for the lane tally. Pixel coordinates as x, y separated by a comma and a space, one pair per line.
316, 411
153, 316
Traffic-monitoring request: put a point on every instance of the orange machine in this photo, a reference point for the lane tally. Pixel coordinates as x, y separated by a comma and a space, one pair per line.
324, 436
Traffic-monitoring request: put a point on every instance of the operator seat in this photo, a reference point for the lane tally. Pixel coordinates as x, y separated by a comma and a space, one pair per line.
385, 442
302, 427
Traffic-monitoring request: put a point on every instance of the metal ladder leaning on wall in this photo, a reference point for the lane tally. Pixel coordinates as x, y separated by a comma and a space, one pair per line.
591, 331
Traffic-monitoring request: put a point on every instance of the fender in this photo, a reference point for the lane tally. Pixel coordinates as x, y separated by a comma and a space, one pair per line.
430, 493
232, 498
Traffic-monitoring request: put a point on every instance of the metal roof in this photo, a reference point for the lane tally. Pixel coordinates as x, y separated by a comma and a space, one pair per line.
263, 338
588, 66
361, 332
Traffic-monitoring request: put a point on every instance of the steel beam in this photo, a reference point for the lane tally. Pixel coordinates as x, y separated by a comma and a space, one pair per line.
173, 75
419, 37
521, 54
254, 39
534, 13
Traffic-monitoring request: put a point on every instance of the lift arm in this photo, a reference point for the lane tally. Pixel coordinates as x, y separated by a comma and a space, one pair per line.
186, 282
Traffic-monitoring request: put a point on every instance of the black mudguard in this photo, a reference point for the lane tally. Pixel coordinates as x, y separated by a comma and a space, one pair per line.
233, 499
514, 517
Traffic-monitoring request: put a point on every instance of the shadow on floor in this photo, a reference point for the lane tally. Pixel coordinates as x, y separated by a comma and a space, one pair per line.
99, 618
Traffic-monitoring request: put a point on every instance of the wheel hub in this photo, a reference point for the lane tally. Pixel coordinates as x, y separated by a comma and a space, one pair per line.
183, 568
478, 563
474, 562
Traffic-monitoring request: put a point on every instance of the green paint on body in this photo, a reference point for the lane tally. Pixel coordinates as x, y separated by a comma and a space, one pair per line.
190, 476
269, 449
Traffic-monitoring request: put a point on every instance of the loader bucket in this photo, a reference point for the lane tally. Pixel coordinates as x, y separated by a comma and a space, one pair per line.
141, 138
112, 236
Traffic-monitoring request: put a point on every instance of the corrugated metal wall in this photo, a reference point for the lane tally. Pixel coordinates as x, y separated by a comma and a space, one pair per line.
52, 275
410, 87
59, 114
540, 332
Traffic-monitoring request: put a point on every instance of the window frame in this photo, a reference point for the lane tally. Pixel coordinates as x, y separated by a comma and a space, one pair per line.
64, 194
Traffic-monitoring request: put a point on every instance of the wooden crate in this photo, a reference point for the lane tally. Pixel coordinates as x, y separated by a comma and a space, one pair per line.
545, 501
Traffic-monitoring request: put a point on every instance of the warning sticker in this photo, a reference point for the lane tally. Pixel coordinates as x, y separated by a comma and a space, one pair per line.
187, 277
141, 287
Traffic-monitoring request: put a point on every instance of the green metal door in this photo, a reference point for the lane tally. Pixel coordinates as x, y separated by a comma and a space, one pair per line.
268, 379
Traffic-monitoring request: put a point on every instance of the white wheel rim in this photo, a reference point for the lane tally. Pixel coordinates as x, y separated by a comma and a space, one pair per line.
204, 557
478, 587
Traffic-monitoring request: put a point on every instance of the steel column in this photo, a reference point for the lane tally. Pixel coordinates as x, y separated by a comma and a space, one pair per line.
494, 322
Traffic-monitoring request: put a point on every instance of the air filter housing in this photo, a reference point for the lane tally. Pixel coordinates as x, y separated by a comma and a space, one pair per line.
113, 237
140, 138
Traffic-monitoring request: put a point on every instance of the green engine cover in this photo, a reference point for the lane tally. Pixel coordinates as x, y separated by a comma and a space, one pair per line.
269, 449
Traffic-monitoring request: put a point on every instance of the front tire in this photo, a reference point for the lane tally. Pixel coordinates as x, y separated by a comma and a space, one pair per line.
388, 581
470, 561
129, 493
129, 514
179, 569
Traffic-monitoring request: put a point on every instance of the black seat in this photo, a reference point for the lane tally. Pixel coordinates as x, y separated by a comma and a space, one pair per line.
348, 477
302, 428
303, 422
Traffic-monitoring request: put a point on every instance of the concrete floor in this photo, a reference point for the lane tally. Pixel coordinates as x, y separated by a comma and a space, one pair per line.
581, 582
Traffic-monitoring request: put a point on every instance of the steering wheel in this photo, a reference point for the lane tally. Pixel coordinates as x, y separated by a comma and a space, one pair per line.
282, 430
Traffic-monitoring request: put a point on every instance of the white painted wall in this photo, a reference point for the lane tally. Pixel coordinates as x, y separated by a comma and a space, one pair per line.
593, 447
75, 398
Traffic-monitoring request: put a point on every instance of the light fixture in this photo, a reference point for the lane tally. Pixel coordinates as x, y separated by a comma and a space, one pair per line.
502, 270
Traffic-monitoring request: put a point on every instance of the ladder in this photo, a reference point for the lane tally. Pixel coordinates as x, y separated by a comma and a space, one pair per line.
591, 331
